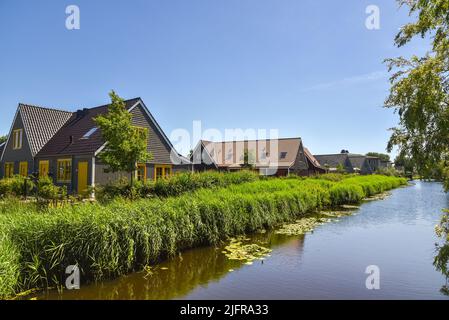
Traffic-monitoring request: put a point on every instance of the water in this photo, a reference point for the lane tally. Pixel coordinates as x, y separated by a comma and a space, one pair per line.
395, 234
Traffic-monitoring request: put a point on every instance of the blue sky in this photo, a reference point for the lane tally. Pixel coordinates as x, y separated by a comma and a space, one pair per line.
309, 68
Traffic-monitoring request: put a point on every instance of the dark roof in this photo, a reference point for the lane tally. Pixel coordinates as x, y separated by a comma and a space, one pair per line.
357, 161
68, 140
41, 124
331, 160
312, 159
2, 146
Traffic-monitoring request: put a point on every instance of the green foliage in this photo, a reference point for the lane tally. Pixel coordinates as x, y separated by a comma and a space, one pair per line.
15, 186
173, 186
420, 88
9, 266
335, 177
126, 144
46, 190
123, 236
390, 171
341, 168
404, 162
3, 139
249, 159
441, 261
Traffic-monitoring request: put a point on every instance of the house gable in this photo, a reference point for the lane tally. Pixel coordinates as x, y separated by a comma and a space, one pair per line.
199, 154
301, 160
9, 153
158, 145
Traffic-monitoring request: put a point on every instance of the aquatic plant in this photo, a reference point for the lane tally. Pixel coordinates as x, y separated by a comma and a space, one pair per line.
309, 223
237, 249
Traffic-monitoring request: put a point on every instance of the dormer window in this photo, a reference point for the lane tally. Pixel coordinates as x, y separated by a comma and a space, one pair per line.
89, 133
17, 139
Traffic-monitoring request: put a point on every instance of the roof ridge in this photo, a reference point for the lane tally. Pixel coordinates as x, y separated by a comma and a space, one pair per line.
224, 141
41, 107
332, 154
107, 104
61, 110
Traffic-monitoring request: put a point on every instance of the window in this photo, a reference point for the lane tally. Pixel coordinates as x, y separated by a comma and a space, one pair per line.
17, 139
162, 171
283, 155
167, 172
23, 168
9, 169
64, 170
141, 172
43, 168
89, 133
159, 172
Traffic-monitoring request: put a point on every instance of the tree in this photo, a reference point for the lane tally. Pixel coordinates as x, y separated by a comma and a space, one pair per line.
341, 168
381, 156
126, 145
248, 159
3, 139
419, 93
404, 162
420, 87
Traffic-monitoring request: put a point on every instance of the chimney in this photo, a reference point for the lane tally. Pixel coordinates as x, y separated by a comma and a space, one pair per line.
80, 113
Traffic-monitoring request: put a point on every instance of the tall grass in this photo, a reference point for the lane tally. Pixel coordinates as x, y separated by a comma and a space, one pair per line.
110, 240
175, 186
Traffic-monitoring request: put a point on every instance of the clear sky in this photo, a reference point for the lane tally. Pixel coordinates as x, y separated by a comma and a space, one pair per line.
309, 68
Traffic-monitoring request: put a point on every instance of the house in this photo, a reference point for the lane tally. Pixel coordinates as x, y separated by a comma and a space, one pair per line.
349, 162
65, 146
278, 157
386, 164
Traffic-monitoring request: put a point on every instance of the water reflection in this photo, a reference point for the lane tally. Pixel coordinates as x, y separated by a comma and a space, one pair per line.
176, 277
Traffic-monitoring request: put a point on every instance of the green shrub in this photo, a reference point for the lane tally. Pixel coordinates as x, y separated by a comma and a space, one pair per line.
48, 191
335, 177
391, 172
173, 186
15, 186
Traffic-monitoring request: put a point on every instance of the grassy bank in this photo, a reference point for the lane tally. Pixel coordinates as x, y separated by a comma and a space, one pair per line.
113, 239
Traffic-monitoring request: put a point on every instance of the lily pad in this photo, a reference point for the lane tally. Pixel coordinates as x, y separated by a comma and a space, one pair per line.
247, 252
308, 224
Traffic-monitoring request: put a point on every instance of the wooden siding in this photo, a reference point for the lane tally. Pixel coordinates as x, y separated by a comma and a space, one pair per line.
300, 164
17, 155
156, 142
53, 161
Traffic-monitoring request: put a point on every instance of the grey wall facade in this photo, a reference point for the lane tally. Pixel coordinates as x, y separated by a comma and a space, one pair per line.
18, 155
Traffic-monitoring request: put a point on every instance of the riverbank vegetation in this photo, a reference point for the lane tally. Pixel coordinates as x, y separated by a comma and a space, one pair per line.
108, 240
175, 186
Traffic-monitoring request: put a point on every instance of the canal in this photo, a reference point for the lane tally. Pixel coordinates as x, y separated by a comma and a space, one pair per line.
395, 234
